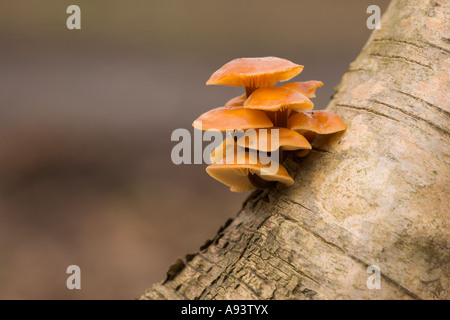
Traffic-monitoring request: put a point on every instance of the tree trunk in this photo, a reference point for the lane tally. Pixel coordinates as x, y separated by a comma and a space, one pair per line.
377, 194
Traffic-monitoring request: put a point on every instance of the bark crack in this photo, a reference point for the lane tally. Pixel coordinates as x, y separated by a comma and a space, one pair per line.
357, 70
401, 58
296, 270
299, 204
412, 115
425, 102
349, 106
415, 44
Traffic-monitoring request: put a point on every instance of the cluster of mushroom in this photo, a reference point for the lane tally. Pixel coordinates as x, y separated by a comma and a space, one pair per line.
263, 106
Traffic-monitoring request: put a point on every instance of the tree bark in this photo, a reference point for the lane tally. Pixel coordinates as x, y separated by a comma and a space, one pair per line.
377, 194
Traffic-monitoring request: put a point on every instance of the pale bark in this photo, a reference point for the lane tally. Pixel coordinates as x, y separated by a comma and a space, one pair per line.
377, 194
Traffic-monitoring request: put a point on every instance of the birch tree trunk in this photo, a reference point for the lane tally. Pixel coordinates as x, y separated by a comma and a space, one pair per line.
378, 194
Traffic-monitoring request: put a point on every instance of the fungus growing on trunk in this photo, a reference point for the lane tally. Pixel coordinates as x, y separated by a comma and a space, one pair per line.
238, 161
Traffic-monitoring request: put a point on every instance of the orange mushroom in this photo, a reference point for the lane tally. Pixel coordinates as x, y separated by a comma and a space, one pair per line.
236, 101
287, 140
263, 114
310, 123
243, 174
277, 102
301, 153
232, 118
277, 99
253, 73
308, 88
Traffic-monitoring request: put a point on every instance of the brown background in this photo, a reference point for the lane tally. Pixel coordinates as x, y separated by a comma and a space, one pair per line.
86, 117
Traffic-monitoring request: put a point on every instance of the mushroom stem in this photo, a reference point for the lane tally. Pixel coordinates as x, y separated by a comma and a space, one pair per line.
273, 116
249, 90
282, 117
309, 135
279, 118
259, 182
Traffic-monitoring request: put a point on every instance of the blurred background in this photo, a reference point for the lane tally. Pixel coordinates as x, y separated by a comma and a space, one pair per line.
86, 116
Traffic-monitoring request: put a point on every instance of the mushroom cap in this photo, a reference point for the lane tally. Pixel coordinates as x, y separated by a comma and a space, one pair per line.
277, 99
235, 174
236, 101
287, 139
319, 121
308, 88
255, 72
301, 153
232, 118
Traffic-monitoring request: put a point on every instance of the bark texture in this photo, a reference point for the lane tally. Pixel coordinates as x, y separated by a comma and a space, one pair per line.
377, 194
